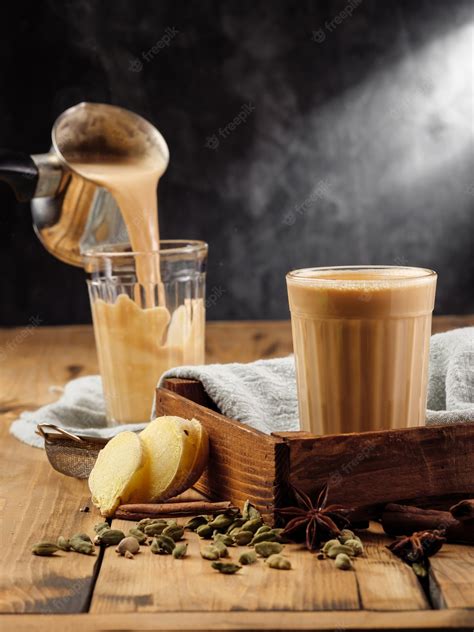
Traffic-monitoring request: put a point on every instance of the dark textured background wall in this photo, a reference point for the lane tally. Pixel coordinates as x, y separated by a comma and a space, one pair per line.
356, 146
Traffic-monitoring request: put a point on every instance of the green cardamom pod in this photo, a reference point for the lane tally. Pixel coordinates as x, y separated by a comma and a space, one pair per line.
346, 534
249, 511
102, 525
266, 536
78, 545
329, 544
252, 525
242, 538
155, 528
63, 543
174, 531
279, 562
224, 538
180, 550
145, 522
336, 549
237, 523
44, 549
343, 562
227, 568
263, 529
210, 552
171, 522
356, 546
138, 535
205, 531
82, 536
221, 522
193, 523
248, 557
110, 537
221, 547
235, 531
162, 545
265, 549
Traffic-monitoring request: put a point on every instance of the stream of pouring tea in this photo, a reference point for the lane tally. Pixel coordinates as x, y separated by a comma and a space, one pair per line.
137, 338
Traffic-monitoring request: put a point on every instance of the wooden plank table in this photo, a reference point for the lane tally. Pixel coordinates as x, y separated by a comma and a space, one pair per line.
73, 592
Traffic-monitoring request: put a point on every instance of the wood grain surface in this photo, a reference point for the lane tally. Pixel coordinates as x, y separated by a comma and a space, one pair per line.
37, 503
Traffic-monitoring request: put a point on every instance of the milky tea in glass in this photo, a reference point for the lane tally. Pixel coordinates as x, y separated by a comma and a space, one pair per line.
361, 340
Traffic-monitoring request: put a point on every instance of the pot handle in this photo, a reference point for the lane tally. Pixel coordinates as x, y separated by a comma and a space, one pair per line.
19, 171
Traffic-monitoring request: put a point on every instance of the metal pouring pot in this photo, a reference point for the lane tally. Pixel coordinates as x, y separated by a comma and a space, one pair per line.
72, 215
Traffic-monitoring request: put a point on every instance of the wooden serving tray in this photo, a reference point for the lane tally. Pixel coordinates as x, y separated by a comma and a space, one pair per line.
431, 466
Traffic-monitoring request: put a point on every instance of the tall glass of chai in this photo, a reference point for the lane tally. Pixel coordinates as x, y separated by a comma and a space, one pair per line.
145, 324
361, 341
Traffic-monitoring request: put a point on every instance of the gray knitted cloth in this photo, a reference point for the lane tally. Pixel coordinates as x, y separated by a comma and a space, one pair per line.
262, 394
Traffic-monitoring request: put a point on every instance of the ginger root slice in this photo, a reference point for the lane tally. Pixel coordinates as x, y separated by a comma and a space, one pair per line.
176, 452
118, 471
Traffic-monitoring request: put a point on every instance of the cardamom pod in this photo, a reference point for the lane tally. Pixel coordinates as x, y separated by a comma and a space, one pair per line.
205, 531
110, 537
263, 529
227, 568
224, 538
78, 545
174, 531
129, 544
242, 538
162, 545
279, 562
44, 549
82, 536
249, 511
155, 528
195, 522
252, 525
180, 550
63, 543
171, 522
346, 534
265, 549
138, 535
235, 531
266, 536
238, 522
343, 562
221, 522
329, 544
210, 552
356, 546
336, 549
145, 522
102, 525
221, 547
248, 557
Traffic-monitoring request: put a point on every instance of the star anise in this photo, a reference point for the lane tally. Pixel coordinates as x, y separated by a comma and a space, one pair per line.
317, 520
418, 546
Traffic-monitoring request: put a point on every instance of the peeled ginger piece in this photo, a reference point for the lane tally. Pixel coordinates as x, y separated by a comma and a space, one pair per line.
176, 452
118, 472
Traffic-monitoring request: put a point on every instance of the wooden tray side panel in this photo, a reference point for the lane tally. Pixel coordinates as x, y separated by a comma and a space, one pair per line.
389, 466
243, 463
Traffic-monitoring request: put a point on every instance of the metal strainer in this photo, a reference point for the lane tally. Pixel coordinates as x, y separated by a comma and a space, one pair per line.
70, 454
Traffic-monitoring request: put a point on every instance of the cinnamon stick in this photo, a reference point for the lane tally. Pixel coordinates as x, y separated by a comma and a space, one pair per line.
151, 510
405, 520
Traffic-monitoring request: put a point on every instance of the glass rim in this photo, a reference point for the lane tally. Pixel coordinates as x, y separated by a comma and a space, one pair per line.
176, 246
306, 274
